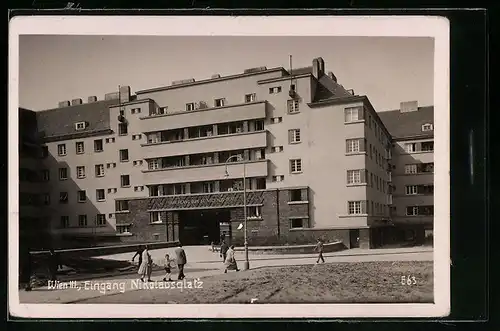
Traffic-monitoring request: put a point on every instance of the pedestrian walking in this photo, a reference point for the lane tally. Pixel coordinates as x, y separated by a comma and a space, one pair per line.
138, 253
145, 267
230, 261
223, 250
319, 249
181, 259
222, 237
167, 265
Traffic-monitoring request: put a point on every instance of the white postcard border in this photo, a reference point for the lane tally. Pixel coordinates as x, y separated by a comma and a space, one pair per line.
395, 26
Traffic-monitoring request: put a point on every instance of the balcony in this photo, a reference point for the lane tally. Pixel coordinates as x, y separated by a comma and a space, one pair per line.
204, 173
246, 140
207, 116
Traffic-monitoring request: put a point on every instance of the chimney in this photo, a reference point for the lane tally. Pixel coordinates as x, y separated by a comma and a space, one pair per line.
92, 99
111, 96
215, 76
124, 94
409, 106
318, 67
332, 76
63, 104
321, 66
76, 102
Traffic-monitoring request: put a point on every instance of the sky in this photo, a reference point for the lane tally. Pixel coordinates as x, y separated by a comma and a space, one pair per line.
53, 68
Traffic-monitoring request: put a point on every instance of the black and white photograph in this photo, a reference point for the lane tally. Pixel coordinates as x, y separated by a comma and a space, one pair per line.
229, 168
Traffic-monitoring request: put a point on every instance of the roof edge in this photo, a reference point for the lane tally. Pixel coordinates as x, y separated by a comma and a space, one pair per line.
209, 80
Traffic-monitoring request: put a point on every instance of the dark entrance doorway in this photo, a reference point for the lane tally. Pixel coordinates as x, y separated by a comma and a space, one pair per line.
354, 238
201, 227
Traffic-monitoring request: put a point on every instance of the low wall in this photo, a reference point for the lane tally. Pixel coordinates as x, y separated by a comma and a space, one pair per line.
294, 249
105, 250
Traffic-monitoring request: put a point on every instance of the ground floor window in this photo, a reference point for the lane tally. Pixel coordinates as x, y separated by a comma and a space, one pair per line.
123, 228
298, 223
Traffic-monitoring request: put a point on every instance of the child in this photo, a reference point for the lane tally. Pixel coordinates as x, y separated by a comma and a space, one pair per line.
168, 272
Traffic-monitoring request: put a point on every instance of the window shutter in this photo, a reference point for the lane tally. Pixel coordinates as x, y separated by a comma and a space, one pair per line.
346, 115
363, 176
290, 136
347, 179
347, 146
362, 144
363, 207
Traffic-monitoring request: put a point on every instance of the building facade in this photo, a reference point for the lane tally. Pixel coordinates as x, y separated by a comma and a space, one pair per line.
412, 130
168, 163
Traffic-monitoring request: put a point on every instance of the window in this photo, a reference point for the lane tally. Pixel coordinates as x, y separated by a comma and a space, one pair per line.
111, 165
122, 129
294, 136
45, 175
219, 102
254, 212
411, 147
122, 205
153, 164
296, 223
427, 127
295, 195
411, 189
81, 196
278, 178
353, 114
80, 172
410, 169
250, 97
63, 173
61, 149
80, 126
100, 194
259, 125
123, 155
99, 170
98, 146
277, 149
208, 187
276, 120
275, 90
155, 217
80, 147
64, 222
355, 145
110, 140
63, 197
136, 137
371, 151
296, 166
124, 229
138, 188
293, 106
190, 106
135, 110
420, 211
44, 152
428, 146
125, 180
46, 199
138, 162
356, 207
357, 176
100, 219
157, 111
82, 221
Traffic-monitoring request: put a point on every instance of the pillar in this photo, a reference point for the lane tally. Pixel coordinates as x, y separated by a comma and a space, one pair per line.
186, 133
214, 129
170, 227
251, 126
186, 160
217, 186
364, 239
245, 126
188, 188
216, 157
176, 226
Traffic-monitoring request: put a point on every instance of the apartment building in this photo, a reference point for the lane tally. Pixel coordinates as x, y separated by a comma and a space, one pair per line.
33, 220
412, 130
168, 163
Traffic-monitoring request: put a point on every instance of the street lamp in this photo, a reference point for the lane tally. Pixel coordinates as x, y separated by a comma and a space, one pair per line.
246, 264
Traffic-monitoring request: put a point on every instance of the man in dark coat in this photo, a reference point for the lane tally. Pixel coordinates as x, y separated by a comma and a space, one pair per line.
223, 250
54, 264
319, 249
180, 256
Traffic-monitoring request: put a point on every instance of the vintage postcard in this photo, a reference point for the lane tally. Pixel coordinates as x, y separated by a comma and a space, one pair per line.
229, 167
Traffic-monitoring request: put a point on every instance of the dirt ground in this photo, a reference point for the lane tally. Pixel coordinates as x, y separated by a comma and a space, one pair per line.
364, 282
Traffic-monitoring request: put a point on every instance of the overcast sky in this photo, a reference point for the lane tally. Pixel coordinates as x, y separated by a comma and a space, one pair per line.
54, 68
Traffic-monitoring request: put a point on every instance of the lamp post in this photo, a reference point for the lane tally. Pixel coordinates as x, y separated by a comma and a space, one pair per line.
246, 264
